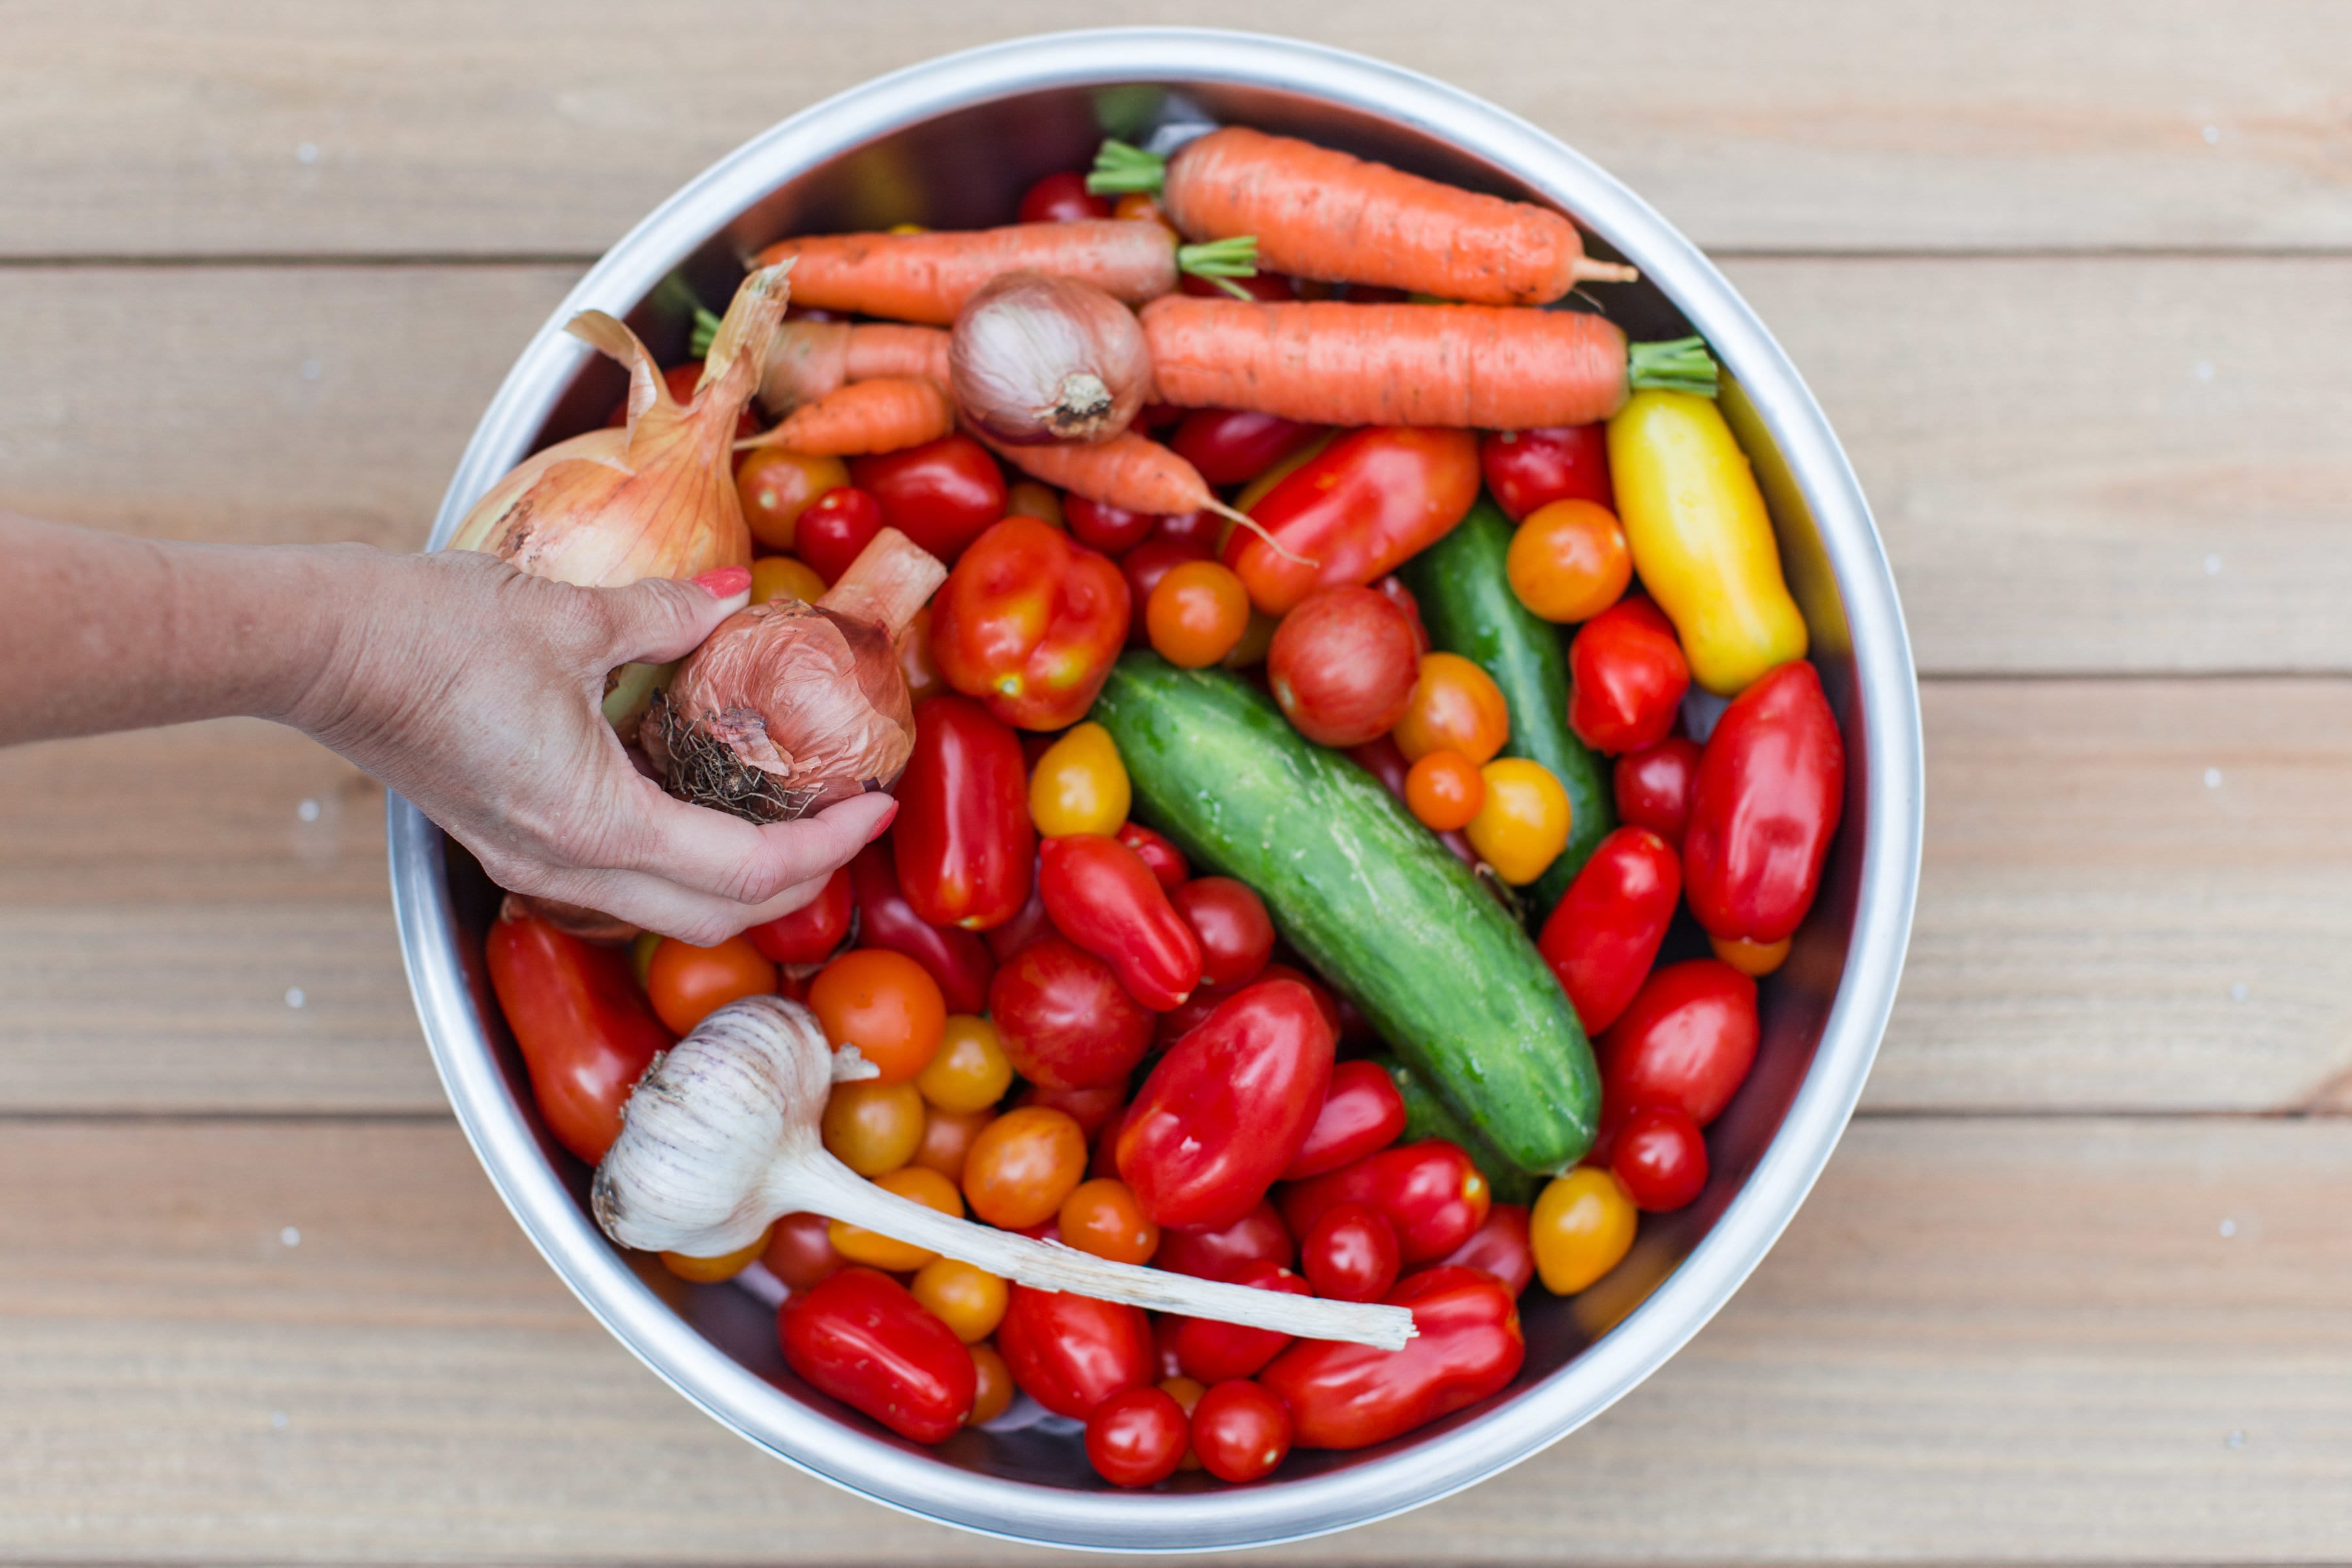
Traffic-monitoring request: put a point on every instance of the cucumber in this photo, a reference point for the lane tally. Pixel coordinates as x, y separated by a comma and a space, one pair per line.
1427, 1116
1367, 895
1467, 604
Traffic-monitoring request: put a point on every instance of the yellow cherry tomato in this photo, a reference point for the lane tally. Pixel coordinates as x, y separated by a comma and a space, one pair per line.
1029, 497
872, 1127
1522, 825
1701, 537
641, 954
876, 1250
1186, 1392
1079, 785
1022, 1165
783, 577
1581, 1226
909, 228
1454, 706
1753, 959
971, 1070
968, 1300
991, 1385
712, 1270
1568, 560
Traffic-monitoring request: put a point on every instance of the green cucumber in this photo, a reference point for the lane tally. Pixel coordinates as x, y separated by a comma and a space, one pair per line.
1427, 1116
1467, 604
1367, 895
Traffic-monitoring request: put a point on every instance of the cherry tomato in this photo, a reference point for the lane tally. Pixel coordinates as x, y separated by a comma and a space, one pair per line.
871, 1247
1023, 928
1167, 862
1064, 1017
1022, 1165
1241, 1432
1568, 561
871, 1127
1385, 762
1343, 665
1213, 1351
1350, 1255
1454, 705
1653, 787
1686, 1040
1499, 1248
1079, 785
958, 960
1532, 469
1765, 808
916, 661
1141, 207
783, 577
1136, 1438
1362, 1114
775, 486
1028, 498
1392, 587
1061, 197
687, 983
970, 1300
799, 1250
1236, 934
1660, 1159
1113, 530
1430, 1191
861, 1338
962, 841
810, 933
1582, 1226
1196, 614
1070, 1352
712, 1270
1343, 1396
1186, 1392
1092, 1109
1445, 791
1258, 1235
1753, 959
942, 494
1626, 677
1603, 935
1257, 641
1523, 823
1232, 445
992, 1389
886, 1004
970, 1071
833, 529
1198, 532
948, 1138
586, 1032
1101, 1216
1144, 566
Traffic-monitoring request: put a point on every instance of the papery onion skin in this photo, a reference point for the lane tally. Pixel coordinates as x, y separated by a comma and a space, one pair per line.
1037, 358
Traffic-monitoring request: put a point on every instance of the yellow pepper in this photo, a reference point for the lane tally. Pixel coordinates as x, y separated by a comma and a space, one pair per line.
1701, 537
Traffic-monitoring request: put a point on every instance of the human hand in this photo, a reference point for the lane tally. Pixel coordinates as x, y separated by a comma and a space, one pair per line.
477, 692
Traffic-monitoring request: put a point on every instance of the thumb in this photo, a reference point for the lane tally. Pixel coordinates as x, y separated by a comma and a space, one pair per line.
662, 618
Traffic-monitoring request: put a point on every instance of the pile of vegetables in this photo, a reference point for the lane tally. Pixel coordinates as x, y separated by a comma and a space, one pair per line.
1285, 677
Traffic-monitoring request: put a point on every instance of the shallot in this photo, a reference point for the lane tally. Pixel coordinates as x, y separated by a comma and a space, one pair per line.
1037, 358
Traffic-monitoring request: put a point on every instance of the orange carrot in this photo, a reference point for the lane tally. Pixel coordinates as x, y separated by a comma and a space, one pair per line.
927, 277
808, 360
1130, 471
1492, 367
1321, 213
864, 417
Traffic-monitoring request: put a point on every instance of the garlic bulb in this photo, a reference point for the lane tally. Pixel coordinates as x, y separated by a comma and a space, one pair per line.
720, 1137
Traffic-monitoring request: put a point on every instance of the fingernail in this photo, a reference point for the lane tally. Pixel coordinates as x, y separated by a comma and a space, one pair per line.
725, 582
882, 824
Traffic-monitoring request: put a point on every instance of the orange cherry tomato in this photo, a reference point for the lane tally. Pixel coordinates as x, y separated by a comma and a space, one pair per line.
1454, 706
1568, 560
948, 1138
775, 486
1101, 1216
871, 1127
1523, 824
1022, 1165
782, 577
1753, 959
687, 984
712, 1270
967, 1298
1032, 498
1444, 790
1196, 614
887, 1253
1582, 1225
886, 1004
991, 1385
1141, 207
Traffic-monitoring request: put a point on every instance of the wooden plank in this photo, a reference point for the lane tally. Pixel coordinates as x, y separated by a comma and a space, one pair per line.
2089, 911
2067, 1341
2078, 466
141, 128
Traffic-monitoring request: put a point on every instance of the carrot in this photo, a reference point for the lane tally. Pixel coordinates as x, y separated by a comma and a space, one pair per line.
1492, 367
927, 277
1321, 213
1130, 471
862, 418
807, 359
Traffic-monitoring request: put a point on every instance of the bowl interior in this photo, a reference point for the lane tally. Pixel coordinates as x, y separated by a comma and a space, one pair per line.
965, 167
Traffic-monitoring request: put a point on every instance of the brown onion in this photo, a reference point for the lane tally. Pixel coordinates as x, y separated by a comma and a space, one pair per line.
787, 707
1037, 358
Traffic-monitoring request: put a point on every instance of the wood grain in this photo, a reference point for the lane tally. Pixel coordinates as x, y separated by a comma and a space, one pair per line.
2149, 474
1980, 1341
137, 127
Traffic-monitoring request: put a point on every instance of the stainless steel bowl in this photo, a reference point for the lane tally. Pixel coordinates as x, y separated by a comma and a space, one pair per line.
952, 143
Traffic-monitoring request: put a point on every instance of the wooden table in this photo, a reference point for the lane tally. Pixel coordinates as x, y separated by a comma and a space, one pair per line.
2074, 282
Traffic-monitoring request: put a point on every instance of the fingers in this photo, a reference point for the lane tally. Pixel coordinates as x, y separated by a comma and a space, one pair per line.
669, 909
662, 619
710, 852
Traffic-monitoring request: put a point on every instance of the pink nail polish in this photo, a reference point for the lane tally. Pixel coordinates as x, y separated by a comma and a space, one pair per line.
883, 826
725, 582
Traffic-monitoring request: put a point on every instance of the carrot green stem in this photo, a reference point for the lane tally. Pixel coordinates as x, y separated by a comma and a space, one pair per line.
1216, 259
1120, 169
1679, 364
706, 326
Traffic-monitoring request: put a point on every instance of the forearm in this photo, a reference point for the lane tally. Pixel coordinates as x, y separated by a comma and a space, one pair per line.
109, 633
